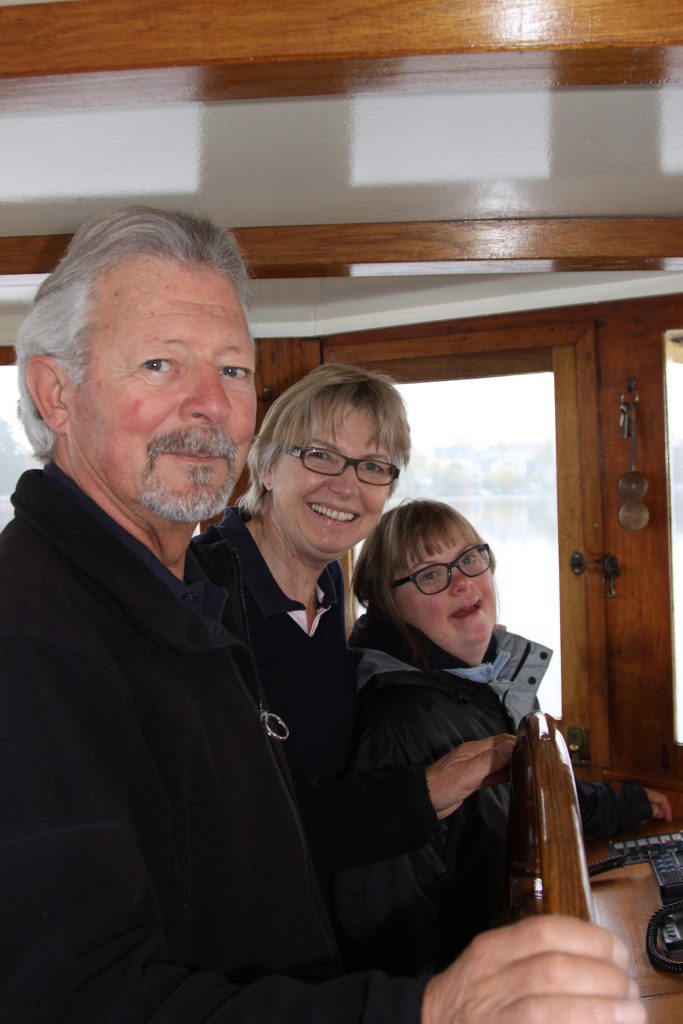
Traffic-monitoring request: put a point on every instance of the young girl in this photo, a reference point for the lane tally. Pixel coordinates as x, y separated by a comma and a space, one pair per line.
435, 670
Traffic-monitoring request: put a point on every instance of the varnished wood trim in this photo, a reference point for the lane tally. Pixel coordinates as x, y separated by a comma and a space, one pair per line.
447, 246
279, 363
447, 342
31, 254
424, 247
466, 366
571, 537
106, 51
588, 450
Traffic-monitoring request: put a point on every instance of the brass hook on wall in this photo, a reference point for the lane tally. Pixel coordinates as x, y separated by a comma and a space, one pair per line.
632, 486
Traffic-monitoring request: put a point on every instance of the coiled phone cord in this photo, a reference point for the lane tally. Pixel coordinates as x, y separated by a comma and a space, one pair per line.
657, 959
598, 867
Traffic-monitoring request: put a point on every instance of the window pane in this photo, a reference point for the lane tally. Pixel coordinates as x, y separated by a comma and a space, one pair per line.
674, 403
487, 447
15, 451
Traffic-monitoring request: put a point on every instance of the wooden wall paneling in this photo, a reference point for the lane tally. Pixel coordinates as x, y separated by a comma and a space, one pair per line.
279, 363
580, 455
571, 538
490, 335
589, 457
104, 51
466, 365
630, 344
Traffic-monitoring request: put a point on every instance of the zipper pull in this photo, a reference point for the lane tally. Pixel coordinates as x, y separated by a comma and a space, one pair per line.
273, 725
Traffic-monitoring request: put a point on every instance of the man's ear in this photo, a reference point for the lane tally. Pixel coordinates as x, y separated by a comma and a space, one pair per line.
49, 383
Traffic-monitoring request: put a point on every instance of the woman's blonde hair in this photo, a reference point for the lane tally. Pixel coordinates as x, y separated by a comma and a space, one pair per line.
412, 532
318, 404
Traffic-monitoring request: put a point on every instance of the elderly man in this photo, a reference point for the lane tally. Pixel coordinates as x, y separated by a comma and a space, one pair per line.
153, 864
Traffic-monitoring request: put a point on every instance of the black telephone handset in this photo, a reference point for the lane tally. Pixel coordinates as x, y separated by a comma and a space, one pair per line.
667, 863
668, 923
665, 855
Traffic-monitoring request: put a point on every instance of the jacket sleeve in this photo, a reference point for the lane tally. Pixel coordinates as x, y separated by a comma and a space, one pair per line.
82, 933
606, 811
399, 914
366, 816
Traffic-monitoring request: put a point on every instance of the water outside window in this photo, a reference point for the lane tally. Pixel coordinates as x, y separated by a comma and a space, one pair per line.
674, 403
487, 447
15, 451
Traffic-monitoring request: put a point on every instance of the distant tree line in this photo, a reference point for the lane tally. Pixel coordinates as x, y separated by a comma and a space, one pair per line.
500, 469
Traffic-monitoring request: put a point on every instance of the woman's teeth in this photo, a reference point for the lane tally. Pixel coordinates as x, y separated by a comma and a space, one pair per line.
344, 517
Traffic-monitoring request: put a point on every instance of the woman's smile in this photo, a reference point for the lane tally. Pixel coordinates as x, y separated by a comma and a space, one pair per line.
332, 513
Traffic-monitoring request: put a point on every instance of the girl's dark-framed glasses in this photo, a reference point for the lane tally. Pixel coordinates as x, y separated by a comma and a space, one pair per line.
432, 579
330, 463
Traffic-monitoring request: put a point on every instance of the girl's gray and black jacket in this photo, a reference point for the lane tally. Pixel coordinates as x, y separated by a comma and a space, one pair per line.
413, 913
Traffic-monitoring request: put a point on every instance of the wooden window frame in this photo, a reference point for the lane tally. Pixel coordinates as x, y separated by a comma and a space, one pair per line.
629, 695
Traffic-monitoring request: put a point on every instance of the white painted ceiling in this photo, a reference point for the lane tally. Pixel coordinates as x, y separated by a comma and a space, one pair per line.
577, 152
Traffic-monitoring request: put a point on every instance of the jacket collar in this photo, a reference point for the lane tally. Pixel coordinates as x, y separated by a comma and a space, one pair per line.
83, 538
520, 663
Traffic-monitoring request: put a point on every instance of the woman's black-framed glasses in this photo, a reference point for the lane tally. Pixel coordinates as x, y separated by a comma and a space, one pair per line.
432, 579
329, 463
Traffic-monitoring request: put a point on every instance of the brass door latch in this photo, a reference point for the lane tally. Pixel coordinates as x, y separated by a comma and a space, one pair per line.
578, 744
608, 564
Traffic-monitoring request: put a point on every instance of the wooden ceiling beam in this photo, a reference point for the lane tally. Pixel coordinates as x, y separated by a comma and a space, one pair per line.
104, 52
424, 247
472, 246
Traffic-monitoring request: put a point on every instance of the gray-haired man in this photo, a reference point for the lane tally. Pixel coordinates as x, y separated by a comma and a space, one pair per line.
152, 861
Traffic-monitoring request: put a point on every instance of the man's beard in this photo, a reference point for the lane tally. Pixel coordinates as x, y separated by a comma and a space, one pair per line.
204, 499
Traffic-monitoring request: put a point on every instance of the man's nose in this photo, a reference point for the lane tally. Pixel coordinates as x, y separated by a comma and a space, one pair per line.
206, 396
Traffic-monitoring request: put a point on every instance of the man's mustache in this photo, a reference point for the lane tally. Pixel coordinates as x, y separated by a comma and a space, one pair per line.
212, 442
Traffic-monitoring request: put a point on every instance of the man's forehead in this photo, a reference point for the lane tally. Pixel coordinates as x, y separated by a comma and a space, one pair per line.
138, 269
159, 286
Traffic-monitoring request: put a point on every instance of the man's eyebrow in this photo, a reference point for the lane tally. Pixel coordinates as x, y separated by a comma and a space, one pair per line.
227, 349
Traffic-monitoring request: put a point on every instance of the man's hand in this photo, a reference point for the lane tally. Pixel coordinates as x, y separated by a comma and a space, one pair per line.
546, 969
466, 768
661, 808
